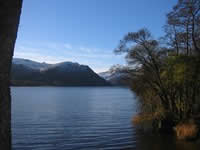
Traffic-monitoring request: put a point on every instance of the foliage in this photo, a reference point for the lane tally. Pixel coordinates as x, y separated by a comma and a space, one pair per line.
165, 74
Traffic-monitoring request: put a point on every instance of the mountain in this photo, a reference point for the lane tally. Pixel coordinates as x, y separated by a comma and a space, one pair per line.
27, 72
115, 77
30, 64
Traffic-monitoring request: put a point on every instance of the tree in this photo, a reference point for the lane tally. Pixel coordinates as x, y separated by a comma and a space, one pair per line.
145, 60
10, 11
183, 27
167, 85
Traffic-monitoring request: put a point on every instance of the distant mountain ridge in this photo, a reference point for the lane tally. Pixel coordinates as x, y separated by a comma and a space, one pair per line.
27, 72
115, 77
29, 63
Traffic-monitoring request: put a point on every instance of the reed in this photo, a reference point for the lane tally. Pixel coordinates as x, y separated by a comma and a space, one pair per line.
186, 131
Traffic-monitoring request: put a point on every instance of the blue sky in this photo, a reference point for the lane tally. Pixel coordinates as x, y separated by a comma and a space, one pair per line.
84, 31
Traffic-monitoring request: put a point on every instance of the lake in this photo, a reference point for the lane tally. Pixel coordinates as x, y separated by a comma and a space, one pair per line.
58, 118
81, 118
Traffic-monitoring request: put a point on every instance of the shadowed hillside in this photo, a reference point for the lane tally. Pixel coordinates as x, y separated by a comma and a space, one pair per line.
26, 72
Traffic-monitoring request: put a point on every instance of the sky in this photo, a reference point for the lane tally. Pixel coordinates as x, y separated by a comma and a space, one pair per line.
85, 31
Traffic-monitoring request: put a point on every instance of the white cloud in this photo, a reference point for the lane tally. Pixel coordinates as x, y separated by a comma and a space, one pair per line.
39, 57
68, 46
98, 59
86, 50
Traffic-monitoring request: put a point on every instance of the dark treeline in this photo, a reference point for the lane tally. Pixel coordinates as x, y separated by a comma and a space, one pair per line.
165, 73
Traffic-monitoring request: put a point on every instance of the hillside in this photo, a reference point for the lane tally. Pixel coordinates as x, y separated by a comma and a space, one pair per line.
115, 77
26, 72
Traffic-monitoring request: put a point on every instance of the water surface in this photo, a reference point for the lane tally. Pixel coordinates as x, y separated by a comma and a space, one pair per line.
82, 118
59, 118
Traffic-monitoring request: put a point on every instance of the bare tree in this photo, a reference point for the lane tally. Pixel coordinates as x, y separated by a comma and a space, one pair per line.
183, 28
10, 11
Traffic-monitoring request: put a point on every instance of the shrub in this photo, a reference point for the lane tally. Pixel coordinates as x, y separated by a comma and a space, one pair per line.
186, 131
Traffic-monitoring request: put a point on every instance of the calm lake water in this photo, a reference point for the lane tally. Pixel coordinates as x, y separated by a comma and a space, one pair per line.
81, 118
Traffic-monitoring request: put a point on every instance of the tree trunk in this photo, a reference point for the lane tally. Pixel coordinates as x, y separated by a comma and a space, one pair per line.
10, 11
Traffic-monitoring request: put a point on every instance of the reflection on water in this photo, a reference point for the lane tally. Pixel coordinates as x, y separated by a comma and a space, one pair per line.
81, 118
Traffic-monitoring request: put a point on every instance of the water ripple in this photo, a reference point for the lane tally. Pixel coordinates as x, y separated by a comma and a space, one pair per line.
92, 119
